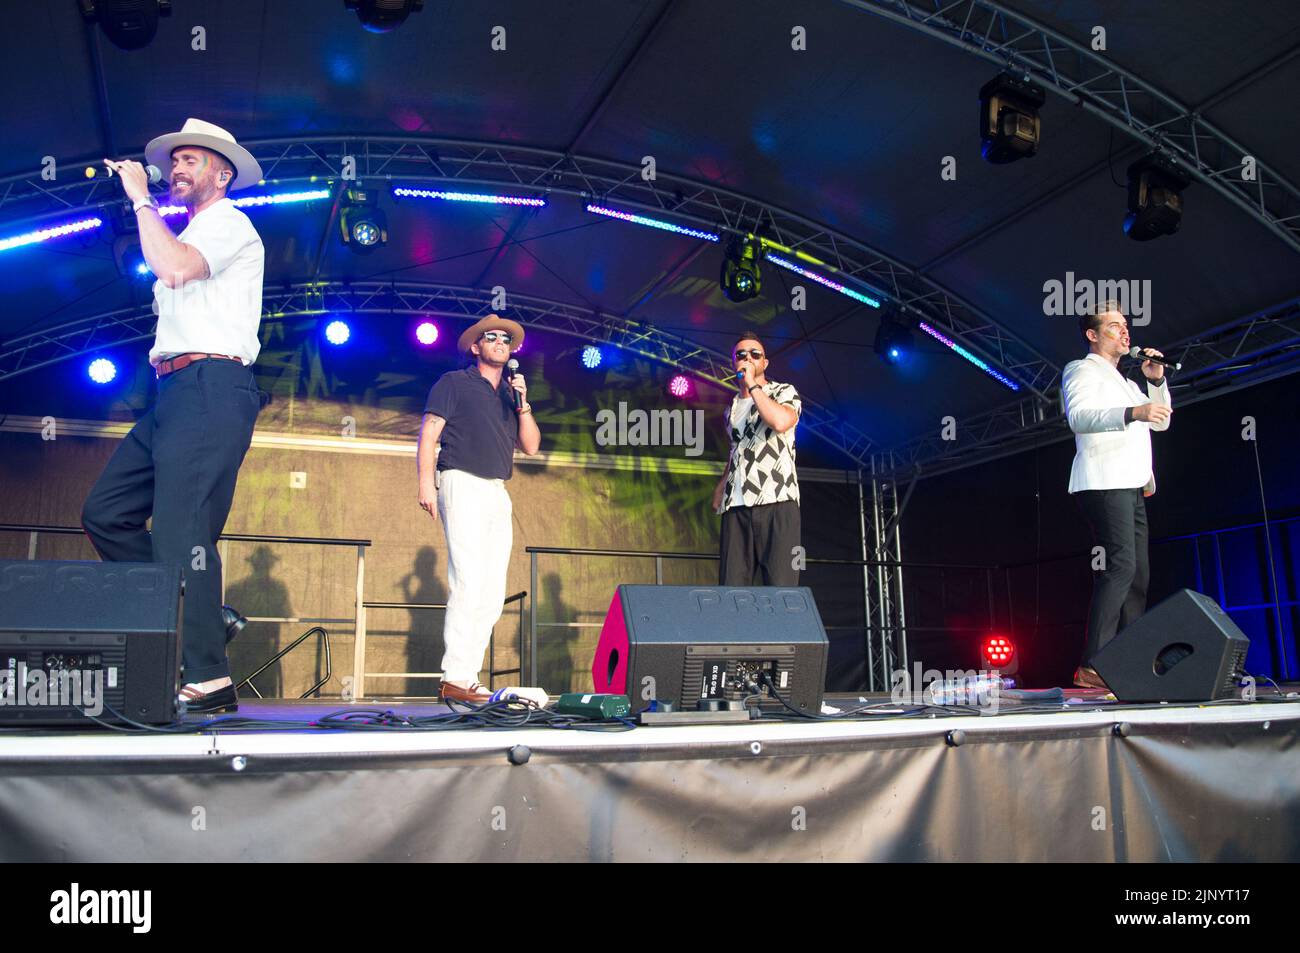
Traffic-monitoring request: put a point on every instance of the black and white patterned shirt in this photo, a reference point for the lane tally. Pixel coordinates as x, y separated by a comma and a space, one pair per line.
761, 469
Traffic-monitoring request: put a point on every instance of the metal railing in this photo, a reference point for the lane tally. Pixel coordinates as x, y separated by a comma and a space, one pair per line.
360, 675
358, 619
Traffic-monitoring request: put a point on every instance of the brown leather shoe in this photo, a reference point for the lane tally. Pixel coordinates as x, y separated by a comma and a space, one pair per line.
1085, 677
476, 694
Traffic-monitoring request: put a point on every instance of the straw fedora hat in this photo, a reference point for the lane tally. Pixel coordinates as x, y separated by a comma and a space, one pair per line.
492, 322
196, 132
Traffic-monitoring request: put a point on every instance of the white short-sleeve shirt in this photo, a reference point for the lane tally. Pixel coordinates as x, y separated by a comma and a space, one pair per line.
221, 313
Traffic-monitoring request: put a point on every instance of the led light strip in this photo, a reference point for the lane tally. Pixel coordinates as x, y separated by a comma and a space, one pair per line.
469, 197
652, 223
166, 211
833, 285
45, 234
982, 365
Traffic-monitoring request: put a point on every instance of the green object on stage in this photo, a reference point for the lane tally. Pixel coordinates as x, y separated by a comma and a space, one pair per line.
594, 705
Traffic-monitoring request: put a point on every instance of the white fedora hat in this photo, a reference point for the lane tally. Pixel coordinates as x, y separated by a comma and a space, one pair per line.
196, 132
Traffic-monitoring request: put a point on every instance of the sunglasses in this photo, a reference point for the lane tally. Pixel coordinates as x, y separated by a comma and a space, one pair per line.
754, 353
491, 336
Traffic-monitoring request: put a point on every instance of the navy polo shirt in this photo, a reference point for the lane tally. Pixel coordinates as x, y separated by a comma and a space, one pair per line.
479, 436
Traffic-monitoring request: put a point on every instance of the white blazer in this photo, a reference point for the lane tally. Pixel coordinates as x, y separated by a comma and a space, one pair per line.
1108, 454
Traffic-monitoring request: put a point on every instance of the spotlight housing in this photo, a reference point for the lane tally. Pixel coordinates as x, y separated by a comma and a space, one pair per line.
893, 340
741, 279
1009, 125
591, 357
128, 24
1155, 200
383, 16
363, 224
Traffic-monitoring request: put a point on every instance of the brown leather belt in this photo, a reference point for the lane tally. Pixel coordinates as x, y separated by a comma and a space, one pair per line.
181, 361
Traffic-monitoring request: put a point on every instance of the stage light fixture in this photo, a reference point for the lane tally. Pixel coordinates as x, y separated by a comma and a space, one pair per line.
101, 370
680, 386
893, 340
474, 197
591, 357
1155, 200
1009, 125
426, 332
383, 16
338, 333
652, 223
822, 280
741, 279
129, 257
277, 198
998, 652
957, 348
363, 223
45, 234
128, 24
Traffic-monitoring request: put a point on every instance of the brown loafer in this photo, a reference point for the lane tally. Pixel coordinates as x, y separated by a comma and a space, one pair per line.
1085, 677
476, 694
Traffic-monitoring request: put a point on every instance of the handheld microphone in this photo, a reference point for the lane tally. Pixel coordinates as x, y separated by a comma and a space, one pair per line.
1136, 352
154, 173
513, 367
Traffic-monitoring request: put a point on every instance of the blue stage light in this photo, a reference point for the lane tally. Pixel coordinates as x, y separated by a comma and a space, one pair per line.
102, 370
45, 234
426, 332
591, 357
337, 332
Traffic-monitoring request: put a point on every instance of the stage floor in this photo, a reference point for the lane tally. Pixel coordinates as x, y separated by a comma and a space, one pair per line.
1084, 781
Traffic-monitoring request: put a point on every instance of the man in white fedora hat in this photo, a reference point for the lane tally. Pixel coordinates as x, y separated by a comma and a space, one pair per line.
180, 461
474, 420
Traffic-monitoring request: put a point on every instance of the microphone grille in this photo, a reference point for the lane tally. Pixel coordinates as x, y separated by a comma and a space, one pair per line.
512, 364
1135, 351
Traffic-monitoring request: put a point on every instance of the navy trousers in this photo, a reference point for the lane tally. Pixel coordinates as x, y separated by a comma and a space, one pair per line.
179, 464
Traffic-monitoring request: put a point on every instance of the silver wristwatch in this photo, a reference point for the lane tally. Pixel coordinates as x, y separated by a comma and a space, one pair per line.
146, 202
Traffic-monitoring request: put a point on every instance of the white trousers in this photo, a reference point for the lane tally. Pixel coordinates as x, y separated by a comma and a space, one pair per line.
477, 519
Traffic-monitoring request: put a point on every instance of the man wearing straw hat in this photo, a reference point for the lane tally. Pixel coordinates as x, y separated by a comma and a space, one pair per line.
180, 461
474, 420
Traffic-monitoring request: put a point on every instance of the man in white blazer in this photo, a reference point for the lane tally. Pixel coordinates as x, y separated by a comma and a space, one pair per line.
1112, 420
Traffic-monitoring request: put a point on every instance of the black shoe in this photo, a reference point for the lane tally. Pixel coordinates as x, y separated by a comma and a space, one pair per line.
234, 622
214, 702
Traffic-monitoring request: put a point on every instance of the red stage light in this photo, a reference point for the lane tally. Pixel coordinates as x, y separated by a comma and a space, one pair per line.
997, 651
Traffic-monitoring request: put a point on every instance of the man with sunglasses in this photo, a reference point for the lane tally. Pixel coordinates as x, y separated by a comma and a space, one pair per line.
758, 495
1112, 420
470, 431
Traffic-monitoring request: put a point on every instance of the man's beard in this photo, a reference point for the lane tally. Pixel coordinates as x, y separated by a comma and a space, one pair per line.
192, 197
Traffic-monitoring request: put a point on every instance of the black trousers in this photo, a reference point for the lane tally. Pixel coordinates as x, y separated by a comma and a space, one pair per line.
179, 464
1118, 520
757, 545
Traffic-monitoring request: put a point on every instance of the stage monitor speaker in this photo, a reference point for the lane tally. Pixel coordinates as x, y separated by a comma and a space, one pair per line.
1186, 649
79, 638
681, 644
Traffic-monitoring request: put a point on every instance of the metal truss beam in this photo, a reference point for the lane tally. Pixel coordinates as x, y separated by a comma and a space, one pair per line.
1087, 79
1259, 347
403, 159
74, 338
